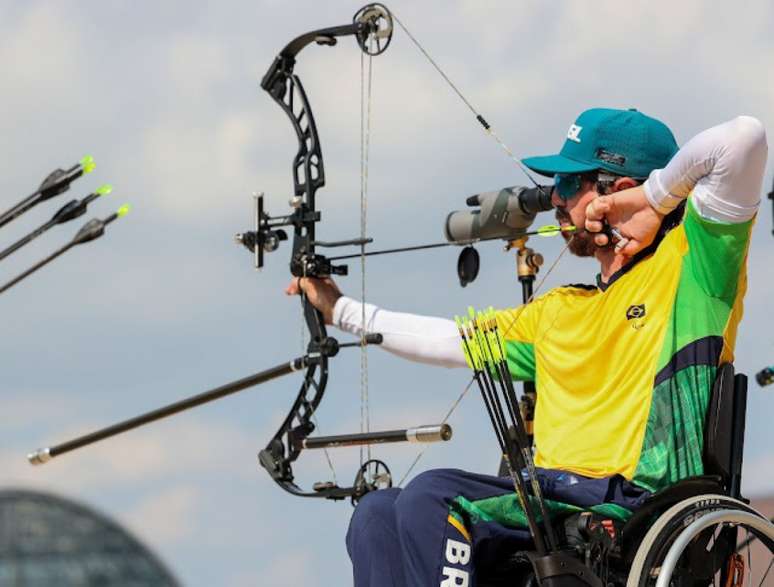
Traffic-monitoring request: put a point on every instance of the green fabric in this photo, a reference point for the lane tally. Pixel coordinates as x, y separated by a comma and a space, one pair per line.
674, 438
717, 253
520, 357
708, 282
613, 511
507, 511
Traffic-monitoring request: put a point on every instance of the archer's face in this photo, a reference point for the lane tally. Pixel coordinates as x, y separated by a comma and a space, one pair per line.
573, 212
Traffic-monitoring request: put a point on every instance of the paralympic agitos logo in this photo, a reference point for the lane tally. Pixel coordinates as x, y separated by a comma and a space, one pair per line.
636, 312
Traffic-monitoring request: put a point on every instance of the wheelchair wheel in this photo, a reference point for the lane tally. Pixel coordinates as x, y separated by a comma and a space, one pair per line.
705, 540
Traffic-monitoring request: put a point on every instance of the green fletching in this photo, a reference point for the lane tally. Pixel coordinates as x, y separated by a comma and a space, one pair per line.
104, 190
482, 340
87, 163
549, 230
553, 229
475, 348
498, 345
123, 210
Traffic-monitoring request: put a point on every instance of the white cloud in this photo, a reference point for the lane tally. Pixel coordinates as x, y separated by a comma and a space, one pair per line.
290, 570
38, 56
155, 454
167, 516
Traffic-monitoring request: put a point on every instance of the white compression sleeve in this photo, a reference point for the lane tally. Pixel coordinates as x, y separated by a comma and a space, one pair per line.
723, 166
424, 339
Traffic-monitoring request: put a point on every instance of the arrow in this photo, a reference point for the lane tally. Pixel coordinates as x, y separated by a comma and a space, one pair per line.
69, 211
57, 182
90, 231
548, 230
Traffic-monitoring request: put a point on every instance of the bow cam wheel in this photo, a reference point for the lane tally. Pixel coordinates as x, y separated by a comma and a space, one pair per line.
376, 34
372, 476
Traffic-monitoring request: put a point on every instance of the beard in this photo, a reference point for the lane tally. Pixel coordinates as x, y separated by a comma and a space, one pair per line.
581, 242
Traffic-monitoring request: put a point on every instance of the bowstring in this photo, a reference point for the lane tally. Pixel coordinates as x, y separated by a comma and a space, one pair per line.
365, 143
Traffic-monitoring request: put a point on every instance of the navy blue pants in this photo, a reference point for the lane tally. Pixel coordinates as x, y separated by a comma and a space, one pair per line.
412, 537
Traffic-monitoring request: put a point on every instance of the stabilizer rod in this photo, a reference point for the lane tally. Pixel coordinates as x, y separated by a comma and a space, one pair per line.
44, 455
435, 433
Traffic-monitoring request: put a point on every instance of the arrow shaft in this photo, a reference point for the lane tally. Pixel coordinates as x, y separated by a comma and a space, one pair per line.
19, 208
26, 239
552, 232
36, 266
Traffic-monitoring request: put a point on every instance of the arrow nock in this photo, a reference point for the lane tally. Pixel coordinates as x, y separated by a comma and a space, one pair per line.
87, 164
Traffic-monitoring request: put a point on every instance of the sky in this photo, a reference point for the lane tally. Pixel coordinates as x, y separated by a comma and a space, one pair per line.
166, 98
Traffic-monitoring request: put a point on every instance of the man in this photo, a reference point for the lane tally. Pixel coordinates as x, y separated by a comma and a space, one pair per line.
623, 369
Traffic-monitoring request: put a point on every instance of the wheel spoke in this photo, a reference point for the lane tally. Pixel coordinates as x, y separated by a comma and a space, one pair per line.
766, 574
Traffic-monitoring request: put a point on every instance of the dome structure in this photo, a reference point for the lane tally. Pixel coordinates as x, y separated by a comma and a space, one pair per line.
46, 540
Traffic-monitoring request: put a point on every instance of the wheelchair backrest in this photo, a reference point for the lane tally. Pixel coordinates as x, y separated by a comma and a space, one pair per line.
724, 431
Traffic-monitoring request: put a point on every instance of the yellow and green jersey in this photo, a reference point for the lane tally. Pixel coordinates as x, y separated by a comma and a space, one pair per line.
624, 371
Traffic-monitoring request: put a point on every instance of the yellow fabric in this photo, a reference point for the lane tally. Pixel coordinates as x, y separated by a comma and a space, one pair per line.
594, 367
457, 524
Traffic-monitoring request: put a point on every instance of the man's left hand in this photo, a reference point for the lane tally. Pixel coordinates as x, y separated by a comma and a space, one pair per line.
630, 213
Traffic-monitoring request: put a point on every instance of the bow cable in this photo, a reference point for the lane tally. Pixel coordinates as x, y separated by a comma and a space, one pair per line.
421, 453
479, 117
490, 131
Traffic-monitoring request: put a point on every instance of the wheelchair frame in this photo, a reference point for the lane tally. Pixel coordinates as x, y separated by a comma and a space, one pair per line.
683, 536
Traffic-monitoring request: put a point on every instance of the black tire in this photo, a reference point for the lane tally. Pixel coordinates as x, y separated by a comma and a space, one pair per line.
665, 530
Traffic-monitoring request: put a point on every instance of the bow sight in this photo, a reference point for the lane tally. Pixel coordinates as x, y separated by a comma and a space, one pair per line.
304, 261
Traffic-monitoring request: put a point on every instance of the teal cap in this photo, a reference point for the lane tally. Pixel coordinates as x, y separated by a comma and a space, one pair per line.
623, 142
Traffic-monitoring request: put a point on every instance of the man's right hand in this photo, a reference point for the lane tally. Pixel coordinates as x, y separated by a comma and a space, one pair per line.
321, 293
628, 211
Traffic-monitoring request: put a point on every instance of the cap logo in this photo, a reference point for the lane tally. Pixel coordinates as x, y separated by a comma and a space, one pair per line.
574, 133
612, 158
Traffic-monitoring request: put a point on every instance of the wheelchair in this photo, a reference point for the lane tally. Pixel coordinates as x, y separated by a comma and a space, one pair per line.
696, 533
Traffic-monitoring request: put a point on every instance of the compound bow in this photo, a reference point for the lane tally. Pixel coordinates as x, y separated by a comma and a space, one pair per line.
372, 28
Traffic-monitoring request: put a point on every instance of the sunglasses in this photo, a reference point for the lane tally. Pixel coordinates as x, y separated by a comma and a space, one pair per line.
567, 184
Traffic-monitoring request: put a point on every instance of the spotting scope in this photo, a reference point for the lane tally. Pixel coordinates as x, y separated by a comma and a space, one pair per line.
504, 214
